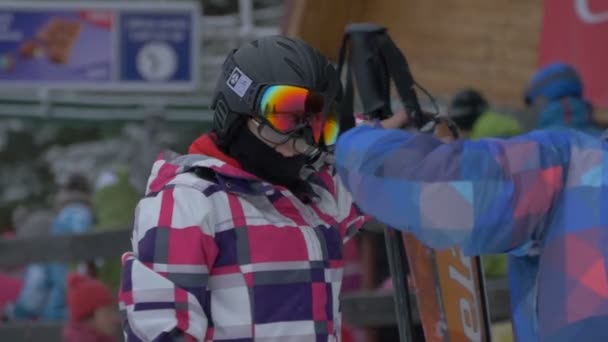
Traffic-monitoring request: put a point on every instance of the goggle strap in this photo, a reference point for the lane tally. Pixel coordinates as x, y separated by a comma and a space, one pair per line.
328, 102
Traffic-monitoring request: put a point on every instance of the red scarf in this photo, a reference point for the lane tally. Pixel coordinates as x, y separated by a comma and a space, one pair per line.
205, 144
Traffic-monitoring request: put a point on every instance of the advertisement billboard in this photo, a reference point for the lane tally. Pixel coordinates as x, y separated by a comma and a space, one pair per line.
146, 46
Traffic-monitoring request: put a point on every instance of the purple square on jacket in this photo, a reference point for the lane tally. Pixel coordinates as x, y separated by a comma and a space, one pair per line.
285, 302
317, 275
226, 245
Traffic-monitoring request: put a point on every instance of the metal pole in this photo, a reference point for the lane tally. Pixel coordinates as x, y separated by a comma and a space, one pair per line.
246, 16
403, 308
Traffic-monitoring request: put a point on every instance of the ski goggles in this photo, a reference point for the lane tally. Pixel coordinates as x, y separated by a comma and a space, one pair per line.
291, 109
269, 134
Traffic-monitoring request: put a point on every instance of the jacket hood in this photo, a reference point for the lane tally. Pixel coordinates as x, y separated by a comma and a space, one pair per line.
569, 112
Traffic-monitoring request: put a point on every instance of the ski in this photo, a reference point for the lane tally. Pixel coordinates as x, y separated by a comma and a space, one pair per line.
449, 292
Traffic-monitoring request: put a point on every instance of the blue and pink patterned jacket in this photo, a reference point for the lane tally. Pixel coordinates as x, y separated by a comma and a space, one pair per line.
540, 197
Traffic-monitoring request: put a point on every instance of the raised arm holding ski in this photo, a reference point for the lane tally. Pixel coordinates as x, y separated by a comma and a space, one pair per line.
456, 193
537, 196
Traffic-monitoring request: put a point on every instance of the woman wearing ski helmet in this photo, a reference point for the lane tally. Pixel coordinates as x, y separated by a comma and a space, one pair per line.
230, 241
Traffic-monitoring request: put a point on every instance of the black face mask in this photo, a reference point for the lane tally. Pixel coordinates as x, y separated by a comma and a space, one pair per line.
263, 161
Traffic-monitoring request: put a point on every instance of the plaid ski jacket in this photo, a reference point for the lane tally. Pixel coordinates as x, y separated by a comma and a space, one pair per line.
219, 255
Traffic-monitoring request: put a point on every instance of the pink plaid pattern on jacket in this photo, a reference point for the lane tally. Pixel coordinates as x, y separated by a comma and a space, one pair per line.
219, 255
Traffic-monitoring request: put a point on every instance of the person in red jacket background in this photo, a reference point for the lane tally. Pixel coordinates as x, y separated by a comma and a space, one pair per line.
93, 315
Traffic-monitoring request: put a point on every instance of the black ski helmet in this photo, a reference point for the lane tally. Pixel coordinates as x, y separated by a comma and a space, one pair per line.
466, 107
269, 60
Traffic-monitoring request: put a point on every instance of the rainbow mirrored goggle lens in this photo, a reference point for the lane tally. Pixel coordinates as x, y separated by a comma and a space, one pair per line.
289, 109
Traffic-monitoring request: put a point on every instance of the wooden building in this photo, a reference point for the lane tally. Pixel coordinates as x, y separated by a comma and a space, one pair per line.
450, 44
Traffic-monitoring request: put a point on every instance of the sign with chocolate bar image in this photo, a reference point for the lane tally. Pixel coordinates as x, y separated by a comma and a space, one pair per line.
54, 41
100, 45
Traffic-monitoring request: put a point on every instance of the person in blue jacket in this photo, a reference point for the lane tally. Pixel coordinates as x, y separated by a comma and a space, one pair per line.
555, 92
541, 197
42, 296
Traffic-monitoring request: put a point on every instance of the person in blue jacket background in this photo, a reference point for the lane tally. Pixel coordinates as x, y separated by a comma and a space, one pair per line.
541, 197
555, 92
43, 294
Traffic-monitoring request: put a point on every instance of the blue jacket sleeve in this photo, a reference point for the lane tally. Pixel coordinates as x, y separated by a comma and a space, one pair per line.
488, 196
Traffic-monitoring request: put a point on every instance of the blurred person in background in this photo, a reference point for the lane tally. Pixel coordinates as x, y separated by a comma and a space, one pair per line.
114, 199
114, 202
555, 94
93, 315
43, 294
9, 291
22, 294
470, 112
242, 238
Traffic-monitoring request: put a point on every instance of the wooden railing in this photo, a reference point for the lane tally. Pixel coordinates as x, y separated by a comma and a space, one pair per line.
369, 309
